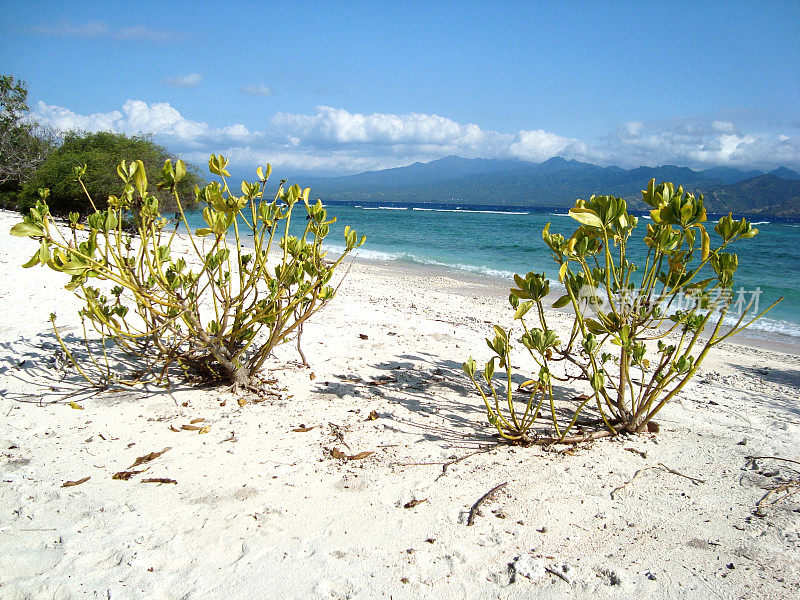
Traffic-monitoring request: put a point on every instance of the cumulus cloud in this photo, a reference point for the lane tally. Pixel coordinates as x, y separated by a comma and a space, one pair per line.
338, 126
256, 90
419, 136
185, 81
334, 140
700, 143
137, 117
539, 145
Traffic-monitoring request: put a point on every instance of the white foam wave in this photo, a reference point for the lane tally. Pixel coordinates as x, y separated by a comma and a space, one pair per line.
382, 207
403, 256
773, 326
468, 268
461, 210
368, 254
760, 223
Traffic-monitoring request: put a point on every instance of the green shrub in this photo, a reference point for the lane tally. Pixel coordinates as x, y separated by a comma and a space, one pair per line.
101, 153
24, 144
219, 315
636, 336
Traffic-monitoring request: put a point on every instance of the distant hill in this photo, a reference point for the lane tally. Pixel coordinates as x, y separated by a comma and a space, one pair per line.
785, 173
443, 169
478, 181
766, 195
557, 182
728, 175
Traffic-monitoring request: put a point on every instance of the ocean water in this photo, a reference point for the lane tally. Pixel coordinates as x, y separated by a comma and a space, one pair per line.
500, 242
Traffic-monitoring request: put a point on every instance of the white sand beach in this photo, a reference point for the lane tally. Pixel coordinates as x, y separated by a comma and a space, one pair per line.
262, 509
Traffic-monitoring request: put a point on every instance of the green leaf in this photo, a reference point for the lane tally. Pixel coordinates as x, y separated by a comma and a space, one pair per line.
44, 253
488, 371
26, 230
217, 164
140, 178
597, 381
523, 309
32, 262
586, 216
180, 170
594, 327
561, 302
705, 244
469, 367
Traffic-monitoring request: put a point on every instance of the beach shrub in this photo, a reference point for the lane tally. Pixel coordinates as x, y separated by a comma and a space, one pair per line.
24, 143
101, 152
637, 336
217, 313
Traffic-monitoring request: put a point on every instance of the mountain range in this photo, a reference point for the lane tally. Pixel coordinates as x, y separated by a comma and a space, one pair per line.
557, 182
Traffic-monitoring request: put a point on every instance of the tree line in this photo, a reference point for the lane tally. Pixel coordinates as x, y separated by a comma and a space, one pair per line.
35, 156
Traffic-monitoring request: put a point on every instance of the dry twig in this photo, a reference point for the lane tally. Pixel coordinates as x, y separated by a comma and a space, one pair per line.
452, 462
558, 574
474, 510
662, 465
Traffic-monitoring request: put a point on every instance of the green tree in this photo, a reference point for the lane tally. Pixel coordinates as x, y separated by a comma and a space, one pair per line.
24, 144
101, 153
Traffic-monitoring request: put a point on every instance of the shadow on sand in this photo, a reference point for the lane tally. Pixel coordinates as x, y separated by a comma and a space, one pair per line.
44, 366
427, 385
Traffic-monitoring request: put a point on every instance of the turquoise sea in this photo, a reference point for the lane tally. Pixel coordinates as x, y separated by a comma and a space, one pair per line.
500, 242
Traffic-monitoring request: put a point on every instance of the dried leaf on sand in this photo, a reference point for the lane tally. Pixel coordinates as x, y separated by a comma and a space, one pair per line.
336, 453
73, 483
125, 475
148, 457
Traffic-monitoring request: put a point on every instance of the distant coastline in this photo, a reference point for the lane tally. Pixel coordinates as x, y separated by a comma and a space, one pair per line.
557, 182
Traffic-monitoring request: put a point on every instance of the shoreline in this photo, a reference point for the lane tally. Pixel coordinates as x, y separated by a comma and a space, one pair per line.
498, 286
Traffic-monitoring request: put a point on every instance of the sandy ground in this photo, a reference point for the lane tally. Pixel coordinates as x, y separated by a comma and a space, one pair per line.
262, 510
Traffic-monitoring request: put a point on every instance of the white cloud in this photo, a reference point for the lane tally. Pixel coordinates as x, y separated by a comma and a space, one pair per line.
259, 90
247, 158
63, 28
103, 29
419, 135
135, 117
66, 120
190, 80
334, 125
235, 131
723, 126
539, 145
332, 140
701, 143
633, 127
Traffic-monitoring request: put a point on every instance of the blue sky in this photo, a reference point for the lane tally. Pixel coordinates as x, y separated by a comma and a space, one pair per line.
342, 87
